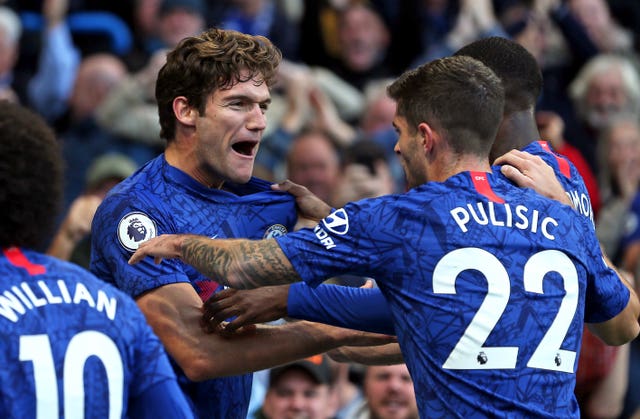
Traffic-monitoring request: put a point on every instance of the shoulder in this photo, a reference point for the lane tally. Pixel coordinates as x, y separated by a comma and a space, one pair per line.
70, 272
561, 164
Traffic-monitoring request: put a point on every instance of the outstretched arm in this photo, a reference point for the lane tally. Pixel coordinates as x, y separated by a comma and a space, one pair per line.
388, 354
237, 263
355, 308
174, 311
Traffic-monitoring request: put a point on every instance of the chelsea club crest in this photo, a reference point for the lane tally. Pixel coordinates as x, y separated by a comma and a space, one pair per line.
275, 230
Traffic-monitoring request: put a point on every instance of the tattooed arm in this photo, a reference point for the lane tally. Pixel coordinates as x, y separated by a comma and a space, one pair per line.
237, 263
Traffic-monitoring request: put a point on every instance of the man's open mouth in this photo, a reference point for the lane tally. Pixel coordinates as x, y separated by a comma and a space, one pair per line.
245, 148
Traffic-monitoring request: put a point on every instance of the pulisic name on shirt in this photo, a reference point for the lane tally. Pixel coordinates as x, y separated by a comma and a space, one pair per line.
503, 215
15, 302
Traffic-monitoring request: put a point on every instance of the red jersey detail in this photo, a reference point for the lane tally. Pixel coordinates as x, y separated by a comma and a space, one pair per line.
563, 164
207, 288
481, 184
17, 258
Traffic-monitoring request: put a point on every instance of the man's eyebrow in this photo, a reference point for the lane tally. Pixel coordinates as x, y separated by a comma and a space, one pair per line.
246, 98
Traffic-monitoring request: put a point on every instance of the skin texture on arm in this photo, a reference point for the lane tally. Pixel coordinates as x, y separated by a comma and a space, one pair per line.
237, 263
174, 312
380, 355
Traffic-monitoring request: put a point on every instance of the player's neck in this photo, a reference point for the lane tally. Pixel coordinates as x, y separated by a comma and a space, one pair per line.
187, 161
518, 129
459, 164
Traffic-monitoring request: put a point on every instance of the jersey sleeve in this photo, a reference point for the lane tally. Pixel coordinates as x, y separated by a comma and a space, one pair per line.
606, 295
354, 308
118, 228
351, 240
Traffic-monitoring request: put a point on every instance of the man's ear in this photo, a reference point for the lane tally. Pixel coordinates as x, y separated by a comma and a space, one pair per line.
184, 113
428, 136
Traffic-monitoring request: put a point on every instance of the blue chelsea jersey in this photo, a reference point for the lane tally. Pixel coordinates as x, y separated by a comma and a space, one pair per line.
488, 286
160, 199
74, 346
567, 174
366, 309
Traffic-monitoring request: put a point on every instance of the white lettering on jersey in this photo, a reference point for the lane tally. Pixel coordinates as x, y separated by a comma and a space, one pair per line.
14, 302
324, 238
581, 203
484, 213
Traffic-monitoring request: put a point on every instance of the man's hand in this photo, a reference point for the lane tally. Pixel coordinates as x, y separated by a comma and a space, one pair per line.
253, 306
529, 171
75, 226
310, 207
165, 246
77, 223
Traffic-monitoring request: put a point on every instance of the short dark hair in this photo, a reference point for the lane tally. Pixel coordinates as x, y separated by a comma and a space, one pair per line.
460, 95
31, 169
215, 59
514, 65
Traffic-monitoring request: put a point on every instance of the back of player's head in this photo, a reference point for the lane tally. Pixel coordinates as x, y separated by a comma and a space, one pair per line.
31, 177
460, 96
514, 65
215, 59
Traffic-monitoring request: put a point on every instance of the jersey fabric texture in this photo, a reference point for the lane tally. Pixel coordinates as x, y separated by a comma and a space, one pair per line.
160, 199
74, 346
567, 174
488, 286
366, 309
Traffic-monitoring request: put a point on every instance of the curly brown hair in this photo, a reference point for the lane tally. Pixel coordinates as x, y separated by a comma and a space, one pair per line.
31, 169
215, 59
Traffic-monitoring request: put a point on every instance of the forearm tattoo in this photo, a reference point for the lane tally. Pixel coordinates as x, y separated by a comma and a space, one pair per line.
239, 264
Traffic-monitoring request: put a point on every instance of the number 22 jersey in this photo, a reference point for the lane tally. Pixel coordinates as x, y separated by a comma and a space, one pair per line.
488, 286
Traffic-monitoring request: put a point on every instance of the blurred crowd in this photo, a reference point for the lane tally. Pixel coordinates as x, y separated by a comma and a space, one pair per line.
89, 68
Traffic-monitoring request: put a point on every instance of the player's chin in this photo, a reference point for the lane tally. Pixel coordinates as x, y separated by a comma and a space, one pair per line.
242, 171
